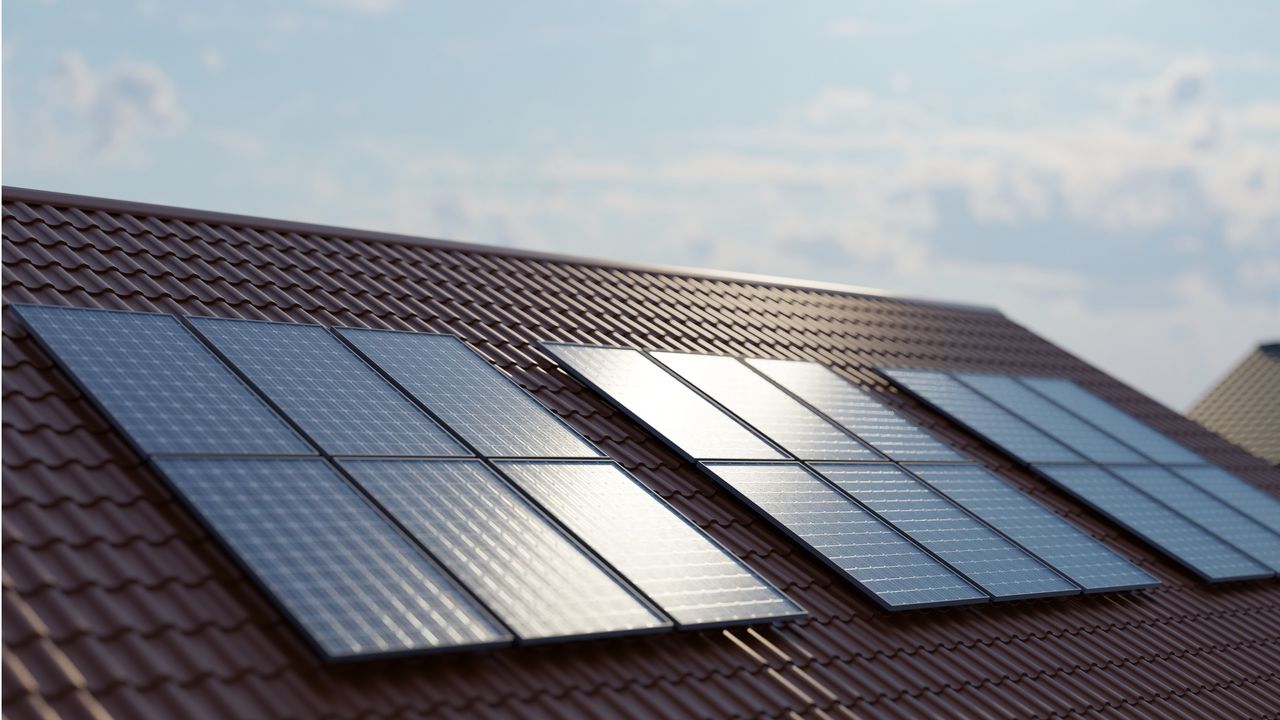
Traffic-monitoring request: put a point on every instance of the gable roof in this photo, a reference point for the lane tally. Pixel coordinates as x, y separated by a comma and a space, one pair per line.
1245, 406
118, 603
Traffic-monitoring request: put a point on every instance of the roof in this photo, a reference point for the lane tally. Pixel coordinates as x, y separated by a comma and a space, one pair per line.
118, 603
1244, 407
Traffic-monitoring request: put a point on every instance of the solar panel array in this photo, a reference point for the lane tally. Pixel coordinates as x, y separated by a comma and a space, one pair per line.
1212, 522
397, 535
901, 538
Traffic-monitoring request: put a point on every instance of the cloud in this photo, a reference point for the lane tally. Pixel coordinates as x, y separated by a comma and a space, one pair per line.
116, 109
1186, 83
366, 7
847, 27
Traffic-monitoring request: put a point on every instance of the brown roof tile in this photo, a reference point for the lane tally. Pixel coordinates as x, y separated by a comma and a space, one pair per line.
117, 603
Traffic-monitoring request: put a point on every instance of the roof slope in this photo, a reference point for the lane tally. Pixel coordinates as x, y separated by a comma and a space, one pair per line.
117, 602
1245, 407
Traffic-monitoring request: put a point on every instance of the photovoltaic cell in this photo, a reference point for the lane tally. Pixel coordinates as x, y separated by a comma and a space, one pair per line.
1059, 424
1237, 493
640, 387
1204, 510
354, 584
1202, 553
159, 384
333, 395
855, 409
1121, 425
762, 405
471, 396
981, 415
894, 571
519, 564
670, 559
1051, 538
998, 566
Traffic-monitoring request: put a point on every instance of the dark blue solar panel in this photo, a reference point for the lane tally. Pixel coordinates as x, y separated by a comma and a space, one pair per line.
644, 390
1119, 424
1049, 417
1086, 561
1202, 553
760, 403
354, 584
1206, 511
982, 416
1237, 493
670, 559
333, 395
998, 566
538, 581
160, 384
471, 396
894, 571
856, 410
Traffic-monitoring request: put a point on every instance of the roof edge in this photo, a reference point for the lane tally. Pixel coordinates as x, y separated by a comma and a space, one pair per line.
91, 202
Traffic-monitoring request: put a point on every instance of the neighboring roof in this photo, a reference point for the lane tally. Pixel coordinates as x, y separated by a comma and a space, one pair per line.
1245, 406
117, 601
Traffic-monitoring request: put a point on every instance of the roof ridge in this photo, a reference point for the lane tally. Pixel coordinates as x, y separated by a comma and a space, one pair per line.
89, 202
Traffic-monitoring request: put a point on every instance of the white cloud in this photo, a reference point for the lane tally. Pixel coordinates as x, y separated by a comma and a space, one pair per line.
847, 27
116, 109
367, 7
212, 59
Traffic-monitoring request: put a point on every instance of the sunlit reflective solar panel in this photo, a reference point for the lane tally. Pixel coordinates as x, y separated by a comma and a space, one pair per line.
1059, 424
159, 384
471, 396
1202, 553
751, 397
1237, 493
1069, 550
354, 584
895, 572
539, 582
333, 395
998, 566
856, 410
981, 415
643, 389
1122, 426
671, 560
1206, 511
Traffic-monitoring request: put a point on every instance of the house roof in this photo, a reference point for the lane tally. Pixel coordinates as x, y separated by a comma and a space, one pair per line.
1245, 406
117, 602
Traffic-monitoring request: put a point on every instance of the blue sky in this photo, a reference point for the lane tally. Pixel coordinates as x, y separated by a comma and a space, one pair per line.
1107, 174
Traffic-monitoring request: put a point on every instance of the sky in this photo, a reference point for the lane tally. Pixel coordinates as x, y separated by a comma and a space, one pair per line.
1106, 174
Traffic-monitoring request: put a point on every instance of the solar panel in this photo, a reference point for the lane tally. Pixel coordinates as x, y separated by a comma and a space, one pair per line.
1054, 540
1252, 501
1201, 552
471, 396
1049, 417
856, 410
652, 396
1204, 510
538, 581
159, 384
670, 559
337, 399
981, 415
760, 403
895, 572
998, 566
345, 576
1111, 419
